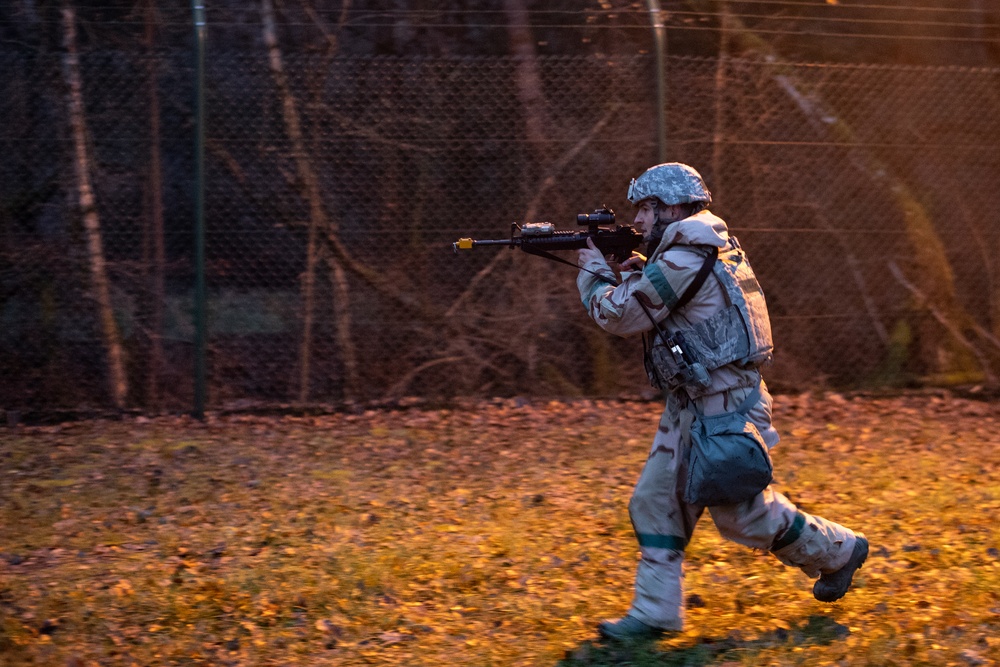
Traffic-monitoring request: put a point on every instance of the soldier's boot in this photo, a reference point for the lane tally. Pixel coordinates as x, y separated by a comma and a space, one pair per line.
833, 586
629, 629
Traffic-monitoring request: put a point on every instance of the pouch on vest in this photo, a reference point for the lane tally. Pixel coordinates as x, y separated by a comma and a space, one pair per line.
670, 366
667, 357
728, 461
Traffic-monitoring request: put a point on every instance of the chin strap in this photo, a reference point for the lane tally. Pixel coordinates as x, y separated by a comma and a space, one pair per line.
657, 232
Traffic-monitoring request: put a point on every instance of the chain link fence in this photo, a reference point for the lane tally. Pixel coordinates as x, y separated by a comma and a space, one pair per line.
866, 197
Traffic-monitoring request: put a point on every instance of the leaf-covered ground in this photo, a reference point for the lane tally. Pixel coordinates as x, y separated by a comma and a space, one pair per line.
493, 534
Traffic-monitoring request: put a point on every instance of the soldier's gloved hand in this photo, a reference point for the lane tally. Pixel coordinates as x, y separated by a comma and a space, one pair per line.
591, 258
593, 261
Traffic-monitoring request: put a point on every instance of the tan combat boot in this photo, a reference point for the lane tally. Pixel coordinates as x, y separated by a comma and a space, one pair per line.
629, 629
833, 586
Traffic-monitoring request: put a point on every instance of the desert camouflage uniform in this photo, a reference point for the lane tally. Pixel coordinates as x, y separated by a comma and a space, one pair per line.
663, 522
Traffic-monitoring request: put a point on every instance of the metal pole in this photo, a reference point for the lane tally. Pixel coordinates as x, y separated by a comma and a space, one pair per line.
660, 36
200, 335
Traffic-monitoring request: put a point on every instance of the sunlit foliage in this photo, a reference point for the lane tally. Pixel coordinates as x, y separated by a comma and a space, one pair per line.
491, 534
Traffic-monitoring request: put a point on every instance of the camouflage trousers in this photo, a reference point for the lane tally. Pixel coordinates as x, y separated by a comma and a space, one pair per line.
664, 523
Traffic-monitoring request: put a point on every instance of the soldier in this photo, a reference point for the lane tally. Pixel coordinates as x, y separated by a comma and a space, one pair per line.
683, 240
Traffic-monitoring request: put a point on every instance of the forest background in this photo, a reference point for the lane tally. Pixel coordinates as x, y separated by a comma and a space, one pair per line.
446, 475
851, 146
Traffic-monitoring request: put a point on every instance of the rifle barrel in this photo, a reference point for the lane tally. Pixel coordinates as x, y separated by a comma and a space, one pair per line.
467, 244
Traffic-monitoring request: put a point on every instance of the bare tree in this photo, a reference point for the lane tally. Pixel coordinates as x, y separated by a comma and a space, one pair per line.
531, 97
319, 224
933, 267
527, 77
88, 208
719, 131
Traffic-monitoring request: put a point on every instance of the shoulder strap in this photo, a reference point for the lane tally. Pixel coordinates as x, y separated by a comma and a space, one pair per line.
699, 279
751, 400
692, 289
744, 407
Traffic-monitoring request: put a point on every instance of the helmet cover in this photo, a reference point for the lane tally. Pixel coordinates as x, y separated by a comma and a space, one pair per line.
671, 183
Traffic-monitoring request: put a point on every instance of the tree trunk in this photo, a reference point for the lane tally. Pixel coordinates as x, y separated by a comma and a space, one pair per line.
528, 79
531, 97
91, 220
342, 321
318, 223
157, 282
930, 259
719, 131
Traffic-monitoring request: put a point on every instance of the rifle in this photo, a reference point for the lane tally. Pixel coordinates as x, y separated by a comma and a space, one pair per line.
538, 238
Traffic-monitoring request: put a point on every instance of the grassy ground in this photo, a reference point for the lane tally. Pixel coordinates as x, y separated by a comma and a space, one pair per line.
492, 535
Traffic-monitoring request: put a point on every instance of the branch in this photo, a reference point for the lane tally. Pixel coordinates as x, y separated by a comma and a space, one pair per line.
395, 390
547, 183
859, 279
330, 38
943, 321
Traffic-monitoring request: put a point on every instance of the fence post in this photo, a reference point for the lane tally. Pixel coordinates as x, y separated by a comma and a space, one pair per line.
660, 37
199, 212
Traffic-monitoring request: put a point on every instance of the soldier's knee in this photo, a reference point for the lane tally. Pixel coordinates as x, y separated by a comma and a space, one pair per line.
642, 503
647, 502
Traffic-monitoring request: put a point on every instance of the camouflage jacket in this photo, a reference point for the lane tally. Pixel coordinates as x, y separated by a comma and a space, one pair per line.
667, 274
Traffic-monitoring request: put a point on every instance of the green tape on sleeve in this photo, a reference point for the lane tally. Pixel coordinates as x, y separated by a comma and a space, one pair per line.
659, 281
791, 534
671, 542
597, 286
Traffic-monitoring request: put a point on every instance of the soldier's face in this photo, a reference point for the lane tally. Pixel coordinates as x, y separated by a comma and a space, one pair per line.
645, 218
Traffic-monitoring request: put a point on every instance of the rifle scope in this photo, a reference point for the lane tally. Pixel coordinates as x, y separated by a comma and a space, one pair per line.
600, 216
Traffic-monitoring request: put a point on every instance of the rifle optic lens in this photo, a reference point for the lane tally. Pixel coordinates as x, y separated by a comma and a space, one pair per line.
601, 216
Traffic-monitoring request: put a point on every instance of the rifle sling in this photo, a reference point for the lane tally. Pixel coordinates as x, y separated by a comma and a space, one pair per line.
545, 254
692, 289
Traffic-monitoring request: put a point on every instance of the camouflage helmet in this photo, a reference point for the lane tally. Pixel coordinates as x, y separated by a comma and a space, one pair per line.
671, 183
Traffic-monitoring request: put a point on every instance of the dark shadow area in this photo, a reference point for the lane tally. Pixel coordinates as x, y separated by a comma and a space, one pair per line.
817, 629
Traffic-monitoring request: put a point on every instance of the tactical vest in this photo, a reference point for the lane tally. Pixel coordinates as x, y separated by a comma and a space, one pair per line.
738, 334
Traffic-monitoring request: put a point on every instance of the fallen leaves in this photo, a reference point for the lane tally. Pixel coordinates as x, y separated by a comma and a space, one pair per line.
497, 533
